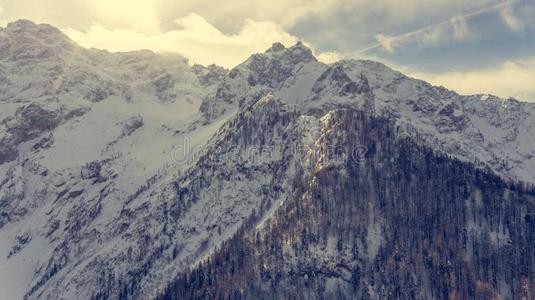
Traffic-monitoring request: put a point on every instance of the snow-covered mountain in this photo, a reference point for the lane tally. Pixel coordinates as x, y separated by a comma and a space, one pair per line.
398, 221
497, 132
119, 171
82, 130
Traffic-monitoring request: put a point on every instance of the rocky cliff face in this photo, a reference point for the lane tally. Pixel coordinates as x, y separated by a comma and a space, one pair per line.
400, 222
121, 171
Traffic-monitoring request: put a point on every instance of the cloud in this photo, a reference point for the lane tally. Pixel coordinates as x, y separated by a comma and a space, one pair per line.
329, 57
512, 79
138, 15
230, 14
510, 20
430, 36
151, 16
433, 37
195, 39
436, 34
461, 31
387, 42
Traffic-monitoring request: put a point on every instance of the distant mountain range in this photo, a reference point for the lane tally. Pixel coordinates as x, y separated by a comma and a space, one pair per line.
138, 176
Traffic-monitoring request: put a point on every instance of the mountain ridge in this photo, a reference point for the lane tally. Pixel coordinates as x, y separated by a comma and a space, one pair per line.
328, 239
118, 171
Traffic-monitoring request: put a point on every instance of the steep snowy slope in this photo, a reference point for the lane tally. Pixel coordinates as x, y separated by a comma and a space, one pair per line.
82, 130
118, 171
248, 169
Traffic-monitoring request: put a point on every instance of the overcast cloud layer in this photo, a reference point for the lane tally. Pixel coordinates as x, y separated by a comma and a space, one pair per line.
478, 46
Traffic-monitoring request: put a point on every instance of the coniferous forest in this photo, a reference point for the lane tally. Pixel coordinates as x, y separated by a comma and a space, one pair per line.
402, 223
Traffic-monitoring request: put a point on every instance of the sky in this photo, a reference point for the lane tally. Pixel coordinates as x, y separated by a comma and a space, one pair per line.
477, 46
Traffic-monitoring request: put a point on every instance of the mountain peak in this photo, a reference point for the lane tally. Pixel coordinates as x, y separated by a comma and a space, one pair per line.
24, 39
300, 44
302, 52
276, 47
29, 28
297, 53
21, 24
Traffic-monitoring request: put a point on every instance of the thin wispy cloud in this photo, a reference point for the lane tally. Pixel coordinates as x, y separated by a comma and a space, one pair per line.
461, 31
433, 34
385, 41
509, 18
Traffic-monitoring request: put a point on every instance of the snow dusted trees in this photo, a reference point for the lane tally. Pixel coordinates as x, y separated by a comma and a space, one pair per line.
403, 223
